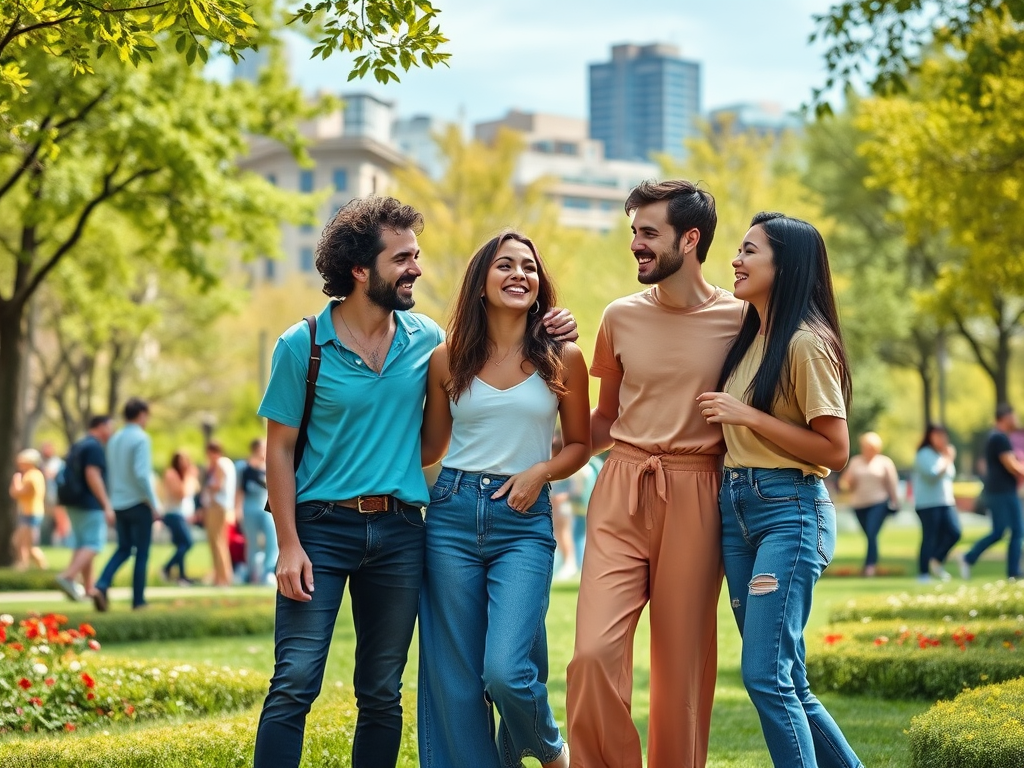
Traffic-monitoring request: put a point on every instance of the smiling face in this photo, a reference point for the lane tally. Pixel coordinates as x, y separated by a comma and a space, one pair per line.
391, 280
657, 249
513, 279
754, 267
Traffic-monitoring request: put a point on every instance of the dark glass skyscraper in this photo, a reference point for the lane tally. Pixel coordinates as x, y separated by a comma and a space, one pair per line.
646, 99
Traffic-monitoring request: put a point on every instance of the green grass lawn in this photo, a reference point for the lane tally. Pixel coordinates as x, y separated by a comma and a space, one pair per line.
875, 727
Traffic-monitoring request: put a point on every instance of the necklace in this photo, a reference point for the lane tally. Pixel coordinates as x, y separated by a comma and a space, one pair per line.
374, 361
510, 351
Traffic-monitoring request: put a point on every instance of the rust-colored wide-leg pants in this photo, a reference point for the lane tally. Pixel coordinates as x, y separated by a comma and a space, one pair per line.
653, 534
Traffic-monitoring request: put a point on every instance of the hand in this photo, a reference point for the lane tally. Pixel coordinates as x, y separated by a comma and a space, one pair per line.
951, 452
523, 488
720, 408
561, 324
295, 573
108, 515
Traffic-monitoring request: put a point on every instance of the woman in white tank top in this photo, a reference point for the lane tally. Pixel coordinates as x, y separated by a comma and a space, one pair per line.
494, 390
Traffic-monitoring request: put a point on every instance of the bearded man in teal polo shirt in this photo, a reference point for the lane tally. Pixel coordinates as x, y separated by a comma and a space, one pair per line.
353, 509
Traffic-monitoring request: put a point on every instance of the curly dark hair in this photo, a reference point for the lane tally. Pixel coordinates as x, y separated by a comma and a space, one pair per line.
353, 238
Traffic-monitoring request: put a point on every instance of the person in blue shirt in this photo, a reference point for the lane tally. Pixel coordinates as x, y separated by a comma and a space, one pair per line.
1004, 472
352, 512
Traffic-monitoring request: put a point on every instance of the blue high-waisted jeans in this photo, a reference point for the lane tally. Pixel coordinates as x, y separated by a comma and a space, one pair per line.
381, 557
482, 634
778, 535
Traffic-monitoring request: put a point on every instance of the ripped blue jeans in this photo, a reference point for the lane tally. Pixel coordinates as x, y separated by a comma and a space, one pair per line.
778, 535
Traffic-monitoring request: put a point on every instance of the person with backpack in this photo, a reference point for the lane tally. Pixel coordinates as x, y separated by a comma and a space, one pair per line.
82, 490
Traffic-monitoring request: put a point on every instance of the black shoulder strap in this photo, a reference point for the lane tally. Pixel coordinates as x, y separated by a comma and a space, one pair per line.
312, 371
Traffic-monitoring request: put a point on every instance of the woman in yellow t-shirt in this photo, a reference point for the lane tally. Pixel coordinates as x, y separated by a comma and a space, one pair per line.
785, 387
28, 488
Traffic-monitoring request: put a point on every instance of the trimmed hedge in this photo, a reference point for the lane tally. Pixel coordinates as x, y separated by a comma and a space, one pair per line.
980, 728
902, 661
963, 603
41, 581
185, 618
222, 742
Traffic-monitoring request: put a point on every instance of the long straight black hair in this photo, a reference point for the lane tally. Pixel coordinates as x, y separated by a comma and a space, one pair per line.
801, 294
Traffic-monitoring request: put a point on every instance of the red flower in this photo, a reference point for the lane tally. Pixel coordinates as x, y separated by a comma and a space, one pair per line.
25, 683
36, 700
49, 681
93, 645
87, 630
90, 696
129, 710
3, 634
17, 647
69, 726
89, 682
832, 639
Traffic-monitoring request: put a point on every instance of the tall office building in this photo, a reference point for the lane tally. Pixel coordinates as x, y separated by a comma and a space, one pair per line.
645, 100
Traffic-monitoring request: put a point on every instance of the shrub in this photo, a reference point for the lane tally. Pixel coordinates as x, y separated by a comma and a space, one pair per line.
904, 660
980, 728
990, 601
221, 742
48, 682
183, 618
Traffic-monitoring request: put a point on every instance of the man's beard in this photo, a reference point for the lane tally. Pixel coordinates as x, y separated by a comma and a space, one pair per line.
385, 294
665, 265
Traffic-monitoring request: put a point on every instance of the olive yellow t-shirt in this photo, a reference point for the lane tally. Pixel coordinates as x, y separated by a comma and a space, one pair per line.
815, 379
666, 356
34, 485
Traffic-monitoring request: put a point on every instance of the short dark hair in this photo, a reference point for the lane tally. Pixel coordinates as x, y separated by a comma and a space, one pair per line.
1003, 410
353, 238
134, 408
214, 447
688, 208
255, 444
99, 421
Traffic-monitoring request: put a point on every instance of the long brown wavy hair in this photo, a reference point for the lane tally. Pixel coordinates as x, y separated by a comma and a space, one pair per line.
468, 344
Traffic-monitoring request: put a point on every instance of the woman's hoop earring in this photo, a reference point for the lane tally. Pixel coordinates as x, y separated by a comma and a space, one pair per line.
535, 308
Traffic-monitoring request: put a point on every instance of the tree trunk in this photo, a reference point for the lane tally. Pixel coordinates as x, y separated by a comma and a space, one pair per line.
1001, 378
12, 361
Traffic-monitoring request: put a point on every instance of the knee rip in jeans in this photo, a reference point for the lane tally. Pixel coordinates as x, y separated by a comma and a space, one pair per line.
763, 584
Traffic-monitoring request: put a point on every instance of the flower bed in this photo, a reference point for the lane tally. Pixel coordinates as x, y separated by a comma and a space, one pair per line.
191, 617
915, 659
52, 679
980, 728
953, 603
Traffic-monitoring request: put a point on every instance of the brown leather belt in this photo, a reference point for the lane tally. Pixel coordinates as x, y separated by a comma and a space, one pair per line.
373, 505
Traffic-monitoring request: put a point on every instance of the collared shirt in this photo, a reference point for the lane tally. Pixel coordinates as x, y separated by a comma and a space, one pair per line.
130, 468
364, 429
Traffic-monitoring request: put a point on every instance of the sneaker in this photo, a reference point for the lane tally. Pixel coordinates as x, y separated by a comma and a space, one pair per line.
99, 599
965, 567
566, 572
935, 569
70, 588
924, 578
165, 575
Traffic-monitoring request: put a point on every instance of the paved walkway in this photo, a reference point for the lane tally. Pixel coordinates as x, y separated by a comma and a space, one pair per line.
125, 593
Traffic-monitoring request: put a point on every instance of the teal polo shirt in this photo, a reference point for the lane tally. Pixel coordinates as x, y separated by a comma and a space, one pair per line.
364, 430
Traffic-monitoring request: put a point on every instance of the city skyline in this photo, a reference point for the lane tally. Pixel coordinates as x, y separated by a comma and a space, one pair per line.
749, 52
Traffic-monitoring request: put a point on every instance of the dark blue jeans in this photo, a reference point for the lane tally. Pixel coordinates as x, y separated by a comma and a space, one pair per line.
940, 531
381, 557
1006, 513
871, 519
134, 533
181, 537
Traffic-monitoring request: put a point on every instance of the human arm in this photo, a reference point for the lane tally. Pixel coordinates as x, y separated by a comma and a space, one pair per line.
524, 487
1013, 465
892, 484
17, 488
142, 469
933, 463
560, 323
605, 414
848, 480
825, 441
94, 479
436, 433
294, 568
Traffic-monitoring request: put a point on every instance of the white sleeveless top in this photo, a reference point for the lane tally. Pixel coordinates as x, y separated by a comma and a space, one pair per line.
502, 431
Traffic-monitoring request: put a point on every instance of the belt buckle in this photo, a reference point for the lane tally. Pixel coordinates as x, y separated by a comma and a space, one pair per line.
383, 500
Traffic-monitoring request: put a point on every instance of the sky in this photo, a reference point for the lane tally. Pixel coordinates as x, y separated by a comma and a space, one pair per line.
532, 55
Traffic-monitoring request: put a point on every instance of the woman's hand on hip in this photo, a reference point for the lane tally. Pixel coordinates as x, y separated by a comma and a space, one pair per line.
523, 488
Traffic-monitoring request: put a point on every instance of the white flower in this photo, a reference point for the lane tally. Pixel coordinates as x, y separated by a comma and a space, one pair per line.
74, 666
6, 619
39, 669
44, 649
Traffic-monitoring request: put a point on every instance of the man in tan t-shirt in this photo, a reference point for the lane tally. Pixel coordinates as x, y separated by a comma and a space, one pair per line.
653, 524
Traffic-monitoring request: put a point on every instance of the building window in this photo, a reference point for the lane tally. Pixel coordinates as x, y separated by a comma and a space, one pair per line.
269, 266
340, 179
306, 229
580, 203
272, 179
306, 259
305, 181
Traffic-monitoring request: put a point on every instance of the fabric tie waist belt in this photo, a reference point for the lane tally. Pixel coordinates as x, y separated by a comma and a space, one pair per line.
657, 464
